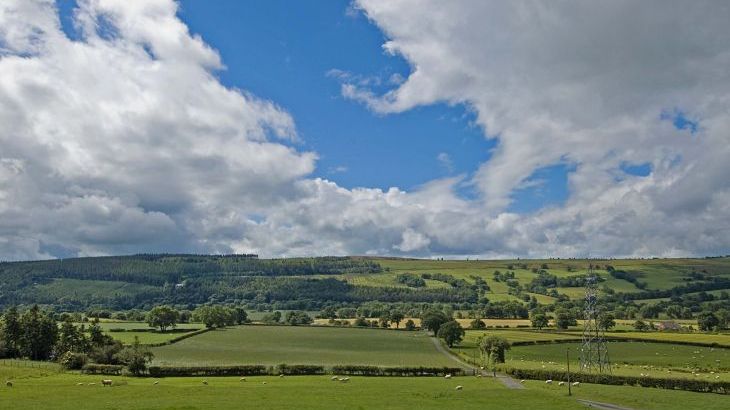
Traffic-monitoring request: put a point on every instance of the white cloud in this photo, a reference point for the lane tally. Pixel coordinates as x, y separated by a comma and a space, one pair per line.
125, 141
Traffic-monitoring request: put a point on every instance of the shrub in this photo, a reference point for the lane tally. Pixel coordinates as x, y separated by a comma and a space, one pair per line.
108, 369
244, 370
300, 369
701, 386
73, 361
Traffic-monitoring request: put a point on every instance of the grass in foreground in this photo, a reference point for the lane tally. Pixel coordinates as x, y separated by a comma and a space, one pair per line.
34, 389
272, 345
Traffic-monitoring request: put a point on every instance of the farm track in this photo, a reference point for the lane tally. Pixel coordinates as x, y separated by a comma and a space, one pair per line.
505, 379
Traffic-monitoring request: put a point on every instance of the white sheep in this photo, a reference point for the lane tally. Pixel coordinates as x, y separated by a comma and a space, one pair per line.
548, 381
263, 383
448, 376
79, 384
333, 378
576, 384
281, 375
523, 381
106, 382
156, 382
561, 384
459, 387
242, 379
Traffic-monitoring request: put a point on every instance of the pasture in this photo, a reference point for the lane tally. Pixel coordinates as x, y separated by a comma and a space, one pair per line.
632, 353
141, 330
272, 345
35, 389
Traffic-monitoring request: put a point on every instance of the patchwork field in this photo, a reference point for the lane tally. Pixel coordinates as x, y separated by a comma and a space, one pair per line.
272, 345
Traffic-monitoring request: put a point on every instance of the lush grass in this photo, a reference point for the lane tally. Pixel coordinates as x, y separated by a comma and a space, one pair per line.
304, 392
721, 339
145, 338
271, 345
106, 325
147, 335
34, 389
636, 353
636, 397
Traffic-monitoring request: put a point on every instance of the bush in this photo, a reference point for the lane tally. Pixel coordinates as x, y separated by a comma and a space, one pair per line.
300, 369
108, 369
210, 371
73, 361
360, 370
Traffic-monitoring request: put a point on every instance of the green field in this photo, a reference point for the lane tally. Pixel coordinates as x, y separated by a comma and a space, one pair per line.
146, 334
61, 391
272, 345
633, 353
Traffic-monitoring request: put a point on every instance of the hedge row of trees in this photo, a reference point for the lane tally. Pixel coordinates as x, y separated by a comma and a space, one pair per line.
695, 385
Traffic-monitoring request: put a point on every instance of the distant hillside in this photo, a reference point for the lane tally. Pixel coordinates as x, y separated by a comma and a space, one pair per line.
142, 281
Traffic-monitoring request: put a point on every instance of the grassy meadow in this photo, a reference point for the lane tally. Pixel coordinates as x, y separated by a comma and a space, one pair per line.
62, 391
272, 345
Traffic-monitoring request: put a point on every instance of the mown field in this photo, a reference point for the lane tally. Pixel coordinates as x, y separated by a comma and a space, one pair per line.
633, 353
36, 389
145, 334
272, 345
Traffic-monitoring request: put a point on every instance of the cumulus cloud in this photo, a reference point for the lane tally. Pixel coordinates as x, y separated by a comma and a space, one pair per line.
586, 84
123, 140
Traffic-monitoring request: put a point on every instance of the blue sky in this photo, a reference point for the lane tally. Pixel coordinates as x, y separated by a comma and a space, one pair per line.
289, 52
284, 50
610, 128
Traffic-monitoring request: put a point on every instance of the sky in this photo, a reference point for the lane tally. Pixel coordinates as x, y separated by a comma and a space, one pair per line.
481, 129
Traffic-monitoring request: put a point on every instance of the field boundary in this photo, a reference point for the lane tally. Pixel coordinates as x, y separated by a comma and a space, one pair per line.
302, 370
699, 386
180, 338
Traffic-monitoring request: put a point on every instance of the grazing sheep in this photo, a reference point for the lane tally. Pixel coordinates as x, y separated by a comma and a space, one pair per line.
561, 384
479, 375
263, 383
156, 382
522, 381
448, 376
281, 375
9, 383
92, 384
459, 387
576, 384
106, 382
548, 381
333, 378
242, 379
205, 382
79, 384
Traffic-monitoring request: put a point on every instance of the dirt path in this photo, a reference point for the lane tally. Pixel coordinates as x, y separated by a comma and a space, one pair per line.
602, 406
511, 383
442, 349
506, 380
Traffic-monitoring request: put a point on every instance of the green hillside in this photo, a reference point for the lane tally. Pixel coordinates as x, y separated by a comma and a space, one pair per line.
142, 281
